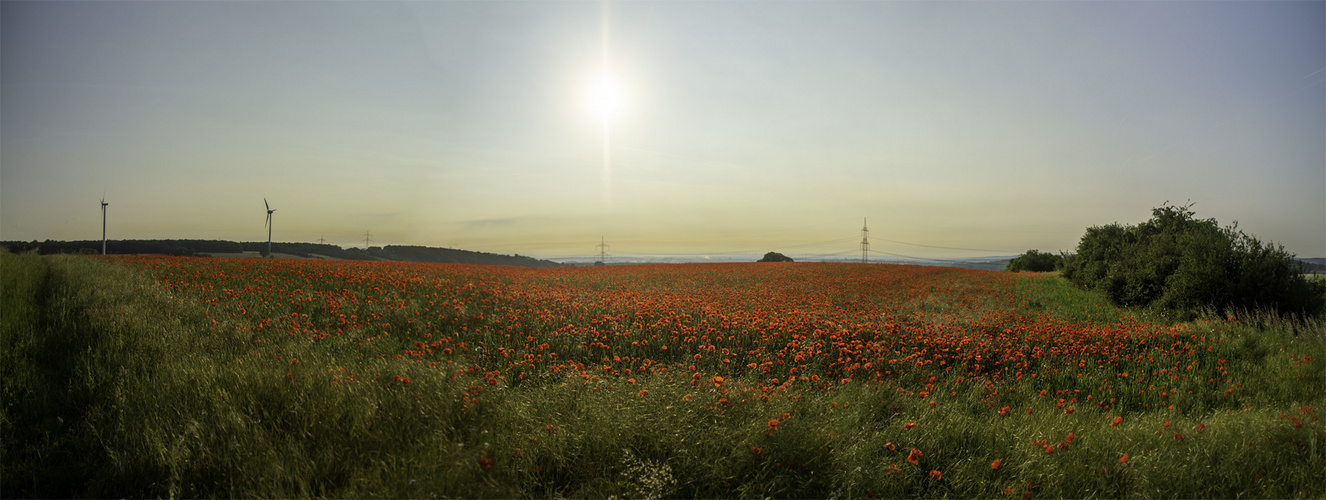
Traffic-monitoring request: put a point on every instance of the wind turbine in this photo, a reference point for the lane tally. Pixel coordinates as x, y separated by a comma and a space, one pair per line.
268, 224
103, 224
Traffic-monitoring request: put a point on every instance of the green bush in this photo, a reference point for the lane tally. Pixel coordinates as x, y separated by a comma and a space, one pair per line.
1178, 262
775, 257
1036, 261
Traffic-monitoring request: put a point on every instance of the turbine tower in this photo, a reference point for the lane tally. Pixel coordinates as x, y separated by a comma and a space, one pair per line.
269, 226
103, 224
865, 240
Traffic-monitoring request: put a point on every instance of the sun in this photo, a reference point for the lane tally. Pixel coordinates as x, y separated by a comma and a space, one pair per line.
604, 98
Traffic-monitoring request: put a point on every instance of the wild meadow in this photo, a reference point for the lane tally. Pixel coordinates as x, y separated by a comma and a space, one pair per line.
198, 377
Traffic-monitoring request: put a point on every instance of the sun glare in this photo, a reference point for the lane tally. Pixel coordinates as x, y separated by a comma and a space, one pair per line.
605, 98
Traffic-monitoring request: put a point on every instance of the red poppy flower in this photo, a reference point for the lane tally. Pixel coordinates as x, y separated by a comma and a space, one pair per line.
914, 457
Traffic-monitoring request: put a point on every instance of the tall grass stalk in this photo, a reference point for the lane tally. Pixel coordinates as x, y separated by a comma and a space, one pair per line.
1308, 327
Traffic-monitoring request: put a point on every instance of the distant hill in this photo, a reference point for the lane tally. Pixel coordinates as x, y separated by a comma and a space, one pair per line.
451, 256
403, 253
1314, 264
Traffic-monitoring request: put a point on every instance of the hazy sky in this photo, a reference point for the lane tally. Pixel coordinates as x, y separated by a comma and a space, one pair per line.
988, 128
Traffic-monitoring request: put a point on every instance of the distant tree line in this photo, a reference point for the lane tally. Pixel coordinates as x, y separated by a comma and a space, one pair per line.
1313, 267
159, 247
306, 250
452, 256
1175, 261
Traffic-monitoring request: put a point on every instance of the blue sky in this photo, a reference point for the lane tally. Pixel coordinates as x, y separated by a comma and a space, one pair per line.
745, 127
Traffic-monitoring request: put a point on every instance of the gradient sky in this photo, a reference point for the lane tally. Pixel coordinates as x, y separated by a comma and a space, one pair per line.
958, 128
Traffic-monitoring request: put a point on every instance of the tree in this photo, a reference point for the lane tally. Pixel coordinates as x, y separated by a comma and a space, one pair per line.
1036, 261
775, 257
1178, 262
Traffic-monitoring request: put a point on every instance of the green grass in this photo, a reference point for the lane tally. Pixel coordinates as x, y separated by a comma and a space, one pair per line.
113, 391
1057, 297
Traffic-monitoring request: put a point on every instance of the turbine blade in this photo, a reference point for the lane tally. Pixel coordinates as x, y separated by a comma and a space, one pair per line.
264, 203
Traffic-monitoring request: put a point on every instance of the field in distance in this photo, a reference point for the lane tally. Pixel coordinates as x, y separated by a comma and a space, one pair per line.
164, 376
259, 255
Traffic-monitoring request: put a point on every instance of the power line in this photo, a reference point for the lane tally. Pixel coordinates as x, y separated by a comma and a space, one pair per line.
976, 229
839, 240
833, 254
746, 252
903, 256
948, 248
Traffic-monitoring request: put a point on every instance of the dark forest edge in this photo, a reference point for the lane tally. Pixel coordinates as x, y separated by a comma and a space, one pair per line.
403, 253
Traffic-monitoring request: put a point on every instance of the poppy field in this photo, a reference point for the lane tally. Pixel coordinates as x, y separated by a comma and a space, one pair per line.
278, 378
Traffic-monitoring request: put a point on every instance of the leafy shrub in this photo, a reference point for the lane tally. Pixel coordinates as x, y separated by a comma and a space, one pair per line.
1178, 262
775, 257
1036, 261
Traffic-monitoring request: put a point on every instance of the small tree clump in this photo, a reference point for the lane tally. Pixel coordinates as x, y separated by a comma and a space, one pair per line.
775, 257
1036, 261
